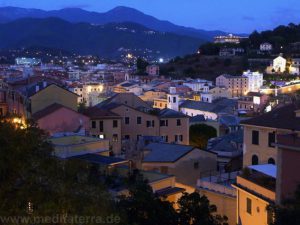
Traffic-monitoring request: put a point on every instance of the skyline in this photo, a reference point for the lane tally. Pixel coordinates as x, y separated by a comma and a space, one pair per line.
236, 18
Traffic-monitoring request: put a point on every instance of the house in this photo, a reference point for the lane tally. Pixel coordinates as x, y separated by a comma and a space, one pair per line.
254, 102
279, 64
42, 95
225, 52
263, 185
139, 119
237, 85
265, 47
90, 94
209, 110
160, 103
151, 95
219, 92
104, 124
178, 160
128, 86
255, 80
226, 147
217, 188
57, 118
230, 38
152, 70
75, 145
260, 133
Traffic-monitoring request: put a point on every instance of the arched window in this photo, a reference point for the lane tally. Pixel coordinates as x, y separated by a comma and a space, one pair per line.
271, 161
254, 160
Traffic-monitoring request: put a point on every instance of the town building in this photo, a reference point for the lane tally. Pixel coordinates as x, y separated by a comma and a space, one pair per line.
209, 110
255, 80
230, 38
260, 133
265, 47
237, 85
152, 70
178, 160
105, 125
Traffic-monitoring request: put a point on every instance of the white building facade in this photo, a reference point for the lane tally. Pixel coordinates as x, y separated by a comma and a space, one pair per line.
255, 80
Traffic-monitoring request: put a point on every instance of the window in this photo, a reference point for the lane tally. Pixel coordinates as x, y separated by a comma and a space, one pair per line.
139, 120
178, 122
115, 138
254, 160
174, 99
196, 165
180, 138
115, 123
101, 136
255, 137
164, 123
249, 206
271, 139
127, 137
176, 138
271, 161
93, 124
148, 123
126, 120
101, 126
153, 123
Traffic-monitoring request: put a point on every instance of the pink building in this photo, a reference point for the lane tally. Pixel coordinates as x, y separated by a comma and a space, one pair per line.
58, 119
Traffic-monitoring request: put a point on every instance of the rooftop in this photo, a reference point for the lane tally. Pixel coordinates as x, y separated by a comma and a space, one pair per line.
163, 152
283, 117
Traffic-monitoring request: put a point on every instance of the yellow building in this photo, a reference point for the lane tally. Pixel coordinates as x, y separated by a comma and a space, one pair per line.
51, 94
160, 103
256, 190
178, 160
260, 134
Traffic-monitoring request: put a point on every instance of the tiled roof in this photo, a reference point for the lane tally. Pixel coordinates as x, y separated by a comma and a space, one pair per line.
95, 112
46, 111
198, 118
163, 152
223, 105
283, 118
169, 113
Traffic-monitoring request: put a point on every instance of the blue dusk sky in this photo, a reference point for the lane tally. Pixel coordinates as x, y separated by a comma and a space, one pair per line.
239, 16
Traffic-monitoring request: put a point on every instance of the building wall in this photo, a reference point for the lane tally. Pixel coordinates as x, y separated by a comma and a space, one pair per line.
259, 213
262, 150
288, 163
150, 96
226, 205
50, 95
204, 160
160, 103
195, 112
172, 129
133, 129
63, 120
108, 132
237, 86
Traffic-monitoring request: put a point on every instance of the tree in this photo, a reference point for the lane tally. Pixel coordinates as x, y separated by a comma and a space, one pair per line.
196, 210
35, 183
200, 134
143, 207
287, 213
141, 65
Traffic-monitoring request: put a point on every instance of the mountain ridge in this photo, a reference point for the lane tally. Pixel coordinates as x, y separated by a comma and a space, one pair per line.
117, 14
102, 40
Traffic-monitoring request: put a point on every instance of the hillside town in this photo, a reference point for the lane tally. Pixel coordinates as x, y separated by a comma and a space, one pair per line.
111, 116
